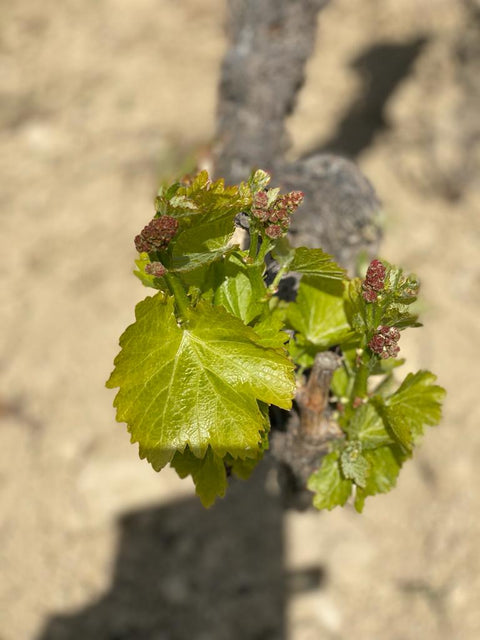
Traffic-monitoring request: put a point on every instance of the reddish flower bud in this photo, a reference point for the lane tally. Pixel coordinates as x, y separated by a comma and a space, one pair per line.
157, 234
375, 277
390, 333
297, 197
374, 280
274, 231
369, 294
278, 214
290, 201
275, 217
155, 269
261, 200
384, 342
261, 214
377, 343
260, 206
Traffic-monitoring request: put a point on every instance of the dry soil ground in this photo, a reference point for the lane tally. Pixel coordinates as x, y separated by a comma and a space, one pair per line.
97, 101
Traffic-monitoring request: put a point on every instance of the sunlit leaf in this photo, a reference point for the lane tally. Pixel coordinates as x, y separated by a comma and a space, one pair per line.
330, 487
318, 314
196, 384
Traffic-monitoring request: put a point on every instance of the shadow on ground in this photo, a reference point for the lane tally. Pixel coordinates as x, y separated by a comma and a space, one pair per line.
381, 69
183, 572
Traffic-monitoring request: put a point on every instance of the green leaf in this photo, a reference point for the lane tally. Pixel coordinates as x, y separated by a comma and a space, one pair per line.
329, 485
386, 367
205, 233
270, 328
244, 468
367, 426
385, 464
318, 314
355, 307
212, 225
398, 316
354, 465
205, 211
194, 261
341, 382
203, 271
258, 180
241, 289
302, 354
315, 262
283, 252
196, 384
208, 474
416, 403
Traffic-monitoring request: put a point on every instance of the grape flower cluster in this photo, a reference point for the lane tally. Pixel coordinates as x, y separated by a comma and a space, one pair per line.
157, 234
275, 216
374, 281
384, 342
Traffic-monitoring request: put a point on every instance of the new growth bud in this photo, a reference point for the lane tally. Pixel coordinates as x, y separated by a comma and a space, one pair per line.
384, 342
276, 215
374, 281
155, 269
260, 206
157, 234
274, 231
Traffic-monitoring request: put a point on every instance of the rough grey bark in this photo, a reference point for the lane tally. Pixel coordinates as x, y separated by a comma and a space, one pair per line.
263, 70
270, 41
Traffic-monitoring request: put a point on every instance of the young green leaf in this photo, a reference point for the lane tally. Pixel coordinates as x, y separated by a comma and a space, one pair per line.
208, 219
367, 426
317, 263
331, 488
205, 233
241, 289
318, 314
208, 474
354, 465
341, 382
416, 403
355, 307
193, 261
196, 384
385, 464
243, 468
258, 180
270, 328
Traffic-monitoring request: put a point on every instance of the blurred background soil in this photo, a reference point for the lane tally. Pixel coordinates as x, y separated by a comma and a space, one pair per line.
98, 102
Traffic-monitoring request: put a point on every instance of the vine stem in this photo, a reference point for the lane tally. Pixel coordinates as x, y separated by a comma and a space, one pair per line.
312, 398
182, 302
360, 384
265, 247
276, 281
252, 250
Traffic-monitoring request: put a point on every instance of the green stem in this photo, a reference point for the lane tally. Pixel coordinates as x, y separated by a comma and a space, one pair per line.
360, 384
264, 249
276, 281
252, 250
182, 302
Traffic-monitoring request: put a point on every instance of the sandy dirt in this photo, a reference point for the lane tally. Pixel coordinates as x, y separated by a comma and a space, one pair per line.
96, 104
